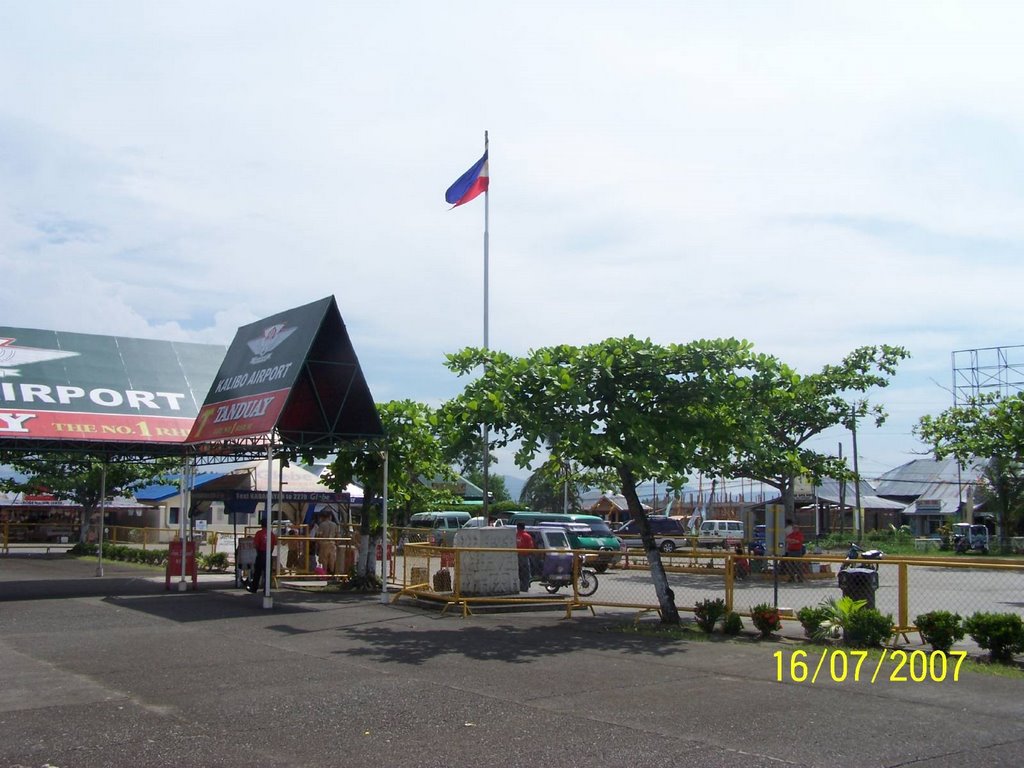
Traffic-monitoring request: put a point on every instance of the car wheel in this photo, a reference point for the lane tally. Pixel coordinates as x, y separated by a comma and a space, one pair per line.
668, 546
601, 568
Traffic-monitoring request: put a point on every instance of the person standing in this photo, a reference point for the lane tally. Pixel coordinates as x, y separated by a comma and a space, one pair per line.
326, 547
259, 568
524, 541
794, 548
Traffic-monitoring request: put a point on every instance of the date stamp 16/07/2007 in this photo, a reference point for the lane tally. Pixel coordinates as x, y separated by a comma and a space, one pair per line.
853, 666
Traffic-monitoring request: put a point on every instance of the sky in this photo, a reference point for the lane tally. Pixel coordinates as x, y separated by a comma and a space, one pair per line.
809, 176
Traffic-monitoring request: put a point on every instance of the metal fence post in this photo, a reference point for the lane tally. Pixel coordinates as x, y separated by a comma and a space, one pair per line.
729, 582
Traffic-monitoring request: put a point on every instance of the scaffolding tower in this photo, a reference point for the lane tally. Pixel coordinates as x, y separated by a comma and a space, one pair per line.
998, 370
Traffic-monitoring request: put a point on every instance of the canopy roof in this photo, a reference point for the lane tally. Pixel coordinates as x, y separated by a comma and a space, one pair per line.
292, 379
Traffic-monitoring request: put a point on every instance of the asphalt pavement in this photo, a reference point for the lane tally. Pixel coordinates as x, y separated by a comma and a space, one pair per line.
115, 671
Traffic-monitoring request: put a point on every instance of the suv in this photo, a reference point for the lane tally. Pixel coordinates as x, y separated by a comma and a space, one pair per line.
720, 533
668, 533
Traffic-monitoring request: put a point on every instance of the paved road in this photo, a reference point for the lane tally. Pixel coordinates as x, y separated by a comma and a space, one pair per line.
114, 671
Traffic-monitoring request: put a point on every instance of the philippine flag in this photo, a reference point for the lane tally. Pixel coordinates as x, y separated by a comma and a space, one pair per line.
470, 184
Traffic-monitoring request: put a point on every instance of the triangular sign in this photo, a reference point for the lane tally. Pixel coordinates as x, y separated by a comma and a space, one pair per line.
295, 371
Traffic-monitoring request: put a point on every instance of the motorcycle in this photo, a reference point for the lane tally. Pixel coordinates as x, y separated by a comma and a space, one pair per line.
556, 572
860, 558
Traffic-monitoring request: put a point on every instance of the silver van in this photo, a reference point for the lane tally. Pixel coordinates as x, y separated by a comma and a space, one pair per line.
438, 528
720, 533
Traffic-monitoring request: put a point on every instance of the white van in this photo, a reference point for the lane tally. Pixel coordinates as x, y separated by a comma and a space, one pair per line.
720, 533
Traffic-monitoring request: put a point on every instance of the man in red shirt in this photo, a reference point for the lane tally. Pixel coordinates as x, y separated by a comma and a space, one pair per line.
524, 541
259, 567
794, 548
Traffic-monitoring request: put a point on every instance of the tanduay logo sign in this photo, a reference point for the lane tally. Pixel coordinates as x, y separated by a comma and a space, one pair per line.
12, 355
270, 340
262, 364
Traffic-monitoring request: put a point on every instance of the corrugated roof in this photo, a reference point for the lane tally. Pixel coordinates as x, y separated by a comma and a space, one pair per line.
930, 480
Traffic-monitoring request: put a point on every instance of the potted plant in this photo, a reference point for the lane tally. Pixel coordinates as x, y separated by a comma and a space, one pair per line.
765, 618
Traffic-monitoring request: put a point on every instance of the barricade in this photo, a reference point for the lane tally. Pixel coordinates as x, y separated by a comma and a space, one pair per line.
907, 586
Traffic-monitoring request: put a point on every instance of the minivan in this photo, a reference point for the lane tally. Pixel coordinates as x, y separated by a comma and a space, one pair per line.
439, 527
720, 533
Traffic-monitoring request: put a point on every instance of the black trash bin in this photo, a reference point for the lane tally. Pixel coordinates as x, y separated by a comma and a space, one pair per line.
859, 584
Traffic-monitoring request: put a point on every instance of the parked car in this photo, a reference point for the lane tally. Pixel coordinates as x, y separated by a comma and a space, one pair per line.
669, 533
720, 533
438, 528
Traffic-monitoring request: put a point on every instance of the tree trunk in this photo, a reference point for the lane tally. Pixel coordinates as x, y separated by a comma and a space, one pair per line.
666, 598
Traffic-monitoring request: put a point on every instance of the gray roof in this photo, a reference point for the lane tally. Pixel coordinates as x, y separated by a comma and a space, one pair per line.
939, 481
829, 490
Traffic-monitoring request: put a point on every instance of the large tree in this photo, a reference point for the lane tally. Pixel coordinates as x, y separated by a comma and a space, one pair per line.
790, 409
414, 454
985, 427
626, 406
77, 478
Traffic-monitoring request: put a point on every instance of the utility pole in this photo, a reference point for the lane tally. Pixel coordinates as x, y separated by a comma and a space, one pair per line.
859, 514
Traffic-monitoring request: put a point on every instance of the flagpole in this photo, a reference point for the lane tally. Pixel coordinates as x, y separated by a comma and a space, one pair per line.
487, 238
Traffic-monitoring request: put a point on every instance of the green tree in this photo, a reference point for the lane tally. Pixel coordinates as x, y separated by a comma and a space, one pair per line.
495, 485
986, 427
788, 409
626, 406
548, 486
414, 453
77, 477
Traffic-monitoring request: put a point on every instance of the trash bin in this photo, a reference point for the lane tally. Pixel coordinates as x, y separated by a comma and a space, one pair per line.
859, 584
174, 563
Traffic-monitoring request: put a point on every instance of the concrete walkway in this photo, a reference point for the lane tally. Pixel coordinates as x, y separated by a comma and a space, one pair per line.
114, 671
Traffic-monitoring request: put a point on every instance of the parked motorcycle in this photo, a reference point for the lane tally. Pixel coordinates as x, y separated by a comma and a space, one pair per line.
858, 557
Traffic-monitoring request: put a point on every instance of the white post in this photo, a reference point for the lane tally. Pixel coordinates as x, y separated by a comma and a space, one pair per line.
268, 601
487, 240
384, 536
185, 487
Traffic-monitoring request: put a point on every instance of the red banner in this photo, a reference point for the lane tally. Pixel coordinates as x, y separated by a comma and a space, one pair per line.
70, 425
256, 414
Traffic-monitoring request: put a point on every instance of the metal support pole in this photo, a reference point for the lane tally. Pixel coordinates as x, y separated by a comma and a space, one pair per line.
103, 516
384, 535
268, 601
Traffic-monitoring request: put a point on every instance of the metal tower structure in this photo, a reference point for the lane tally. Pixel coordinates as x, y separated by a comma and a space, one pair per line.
997, 370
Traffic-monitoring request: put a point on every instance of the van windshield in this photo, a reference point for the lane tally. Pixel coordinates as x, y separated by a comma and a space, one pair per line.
601, 529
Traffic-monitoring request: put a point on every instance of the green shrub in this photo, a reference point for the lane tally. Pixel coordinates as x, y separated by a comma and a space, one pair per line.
765, 618
1001, 634
708, 612
868, 628
940, 628
732, 624
215, 561
811, 618
838, 614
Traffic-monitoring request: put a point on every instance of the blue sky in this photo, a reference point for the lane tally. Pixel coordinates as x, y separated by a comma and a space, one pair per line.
811, 176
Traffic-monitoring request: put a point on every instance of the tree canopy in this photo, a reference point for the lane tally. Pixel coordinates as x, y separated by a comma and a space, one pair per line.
76, 477
985, 427
627, 406
789, 409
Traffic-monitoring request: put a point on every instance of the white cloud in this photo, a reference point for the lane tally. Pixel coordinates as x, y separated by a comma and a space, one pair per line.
809, 176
